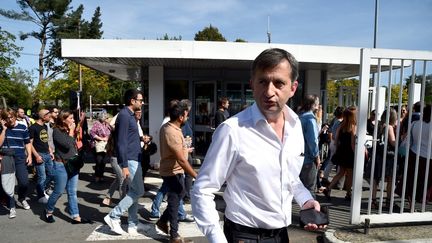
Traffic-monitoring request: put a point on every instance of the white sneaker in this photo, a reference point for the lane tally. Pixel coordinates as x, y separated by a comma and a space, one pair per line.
43, 200
114, 224
25, 205
12, 213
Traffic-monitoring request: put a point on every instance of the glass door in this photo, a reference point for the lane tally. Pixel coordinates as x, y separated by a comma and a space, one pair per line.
204, 93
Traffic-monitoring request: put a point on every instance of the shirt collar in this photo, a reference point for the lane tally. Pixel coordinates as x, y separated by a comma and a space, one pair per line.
290, 116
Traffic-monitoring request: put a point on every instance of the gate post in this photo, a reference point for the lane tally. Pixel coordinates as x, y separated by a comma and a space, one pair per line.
359, 153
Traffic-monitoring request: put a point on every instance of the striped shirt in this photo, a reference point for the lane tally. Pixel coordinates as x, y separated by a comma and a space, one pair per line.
16, 138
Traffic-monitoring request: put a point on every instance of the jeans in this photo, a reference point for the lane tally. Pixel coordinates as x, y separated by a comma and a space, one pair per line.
118, 183
308, 176
130, 201
44, 173
157, 201
188, 180
64, 181
21, 174
176, 191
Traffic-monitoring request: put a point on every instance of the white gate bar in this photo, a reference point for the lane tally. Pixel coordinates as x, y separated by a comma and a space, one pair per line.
396, 217
361, 135
400, 54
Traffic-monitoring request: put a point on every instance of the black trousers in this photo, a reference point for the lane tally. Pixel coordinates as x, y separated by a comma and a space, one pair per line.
236, 233
175, 193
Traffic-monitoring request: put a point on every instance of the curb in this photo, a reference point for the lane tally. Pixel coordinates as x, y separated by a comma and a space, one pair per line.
330, 238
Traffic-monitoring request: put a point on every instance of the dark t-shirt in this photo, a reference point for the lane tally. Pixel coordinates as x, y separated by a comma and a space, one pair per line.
39, 134
219, 118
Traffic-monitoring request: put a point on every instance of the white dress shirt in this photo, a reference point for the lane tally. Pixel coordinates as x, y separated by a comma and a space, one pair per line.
262, 174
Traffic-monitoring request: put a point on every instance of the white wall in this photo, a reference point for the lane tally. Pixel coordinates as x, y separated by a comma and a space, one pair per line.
156, 101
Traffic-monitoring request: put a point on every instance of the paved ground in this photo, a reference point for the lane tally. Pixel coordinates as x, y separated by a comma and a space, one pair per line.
29, 226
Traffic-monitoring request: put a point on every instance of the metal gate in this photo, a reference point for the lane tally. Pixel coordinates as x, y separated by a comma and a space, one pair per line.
391, 69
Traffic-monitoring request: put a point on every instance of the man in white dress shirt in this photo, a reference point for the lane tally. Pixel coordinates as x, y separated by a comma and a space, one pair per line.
259, 154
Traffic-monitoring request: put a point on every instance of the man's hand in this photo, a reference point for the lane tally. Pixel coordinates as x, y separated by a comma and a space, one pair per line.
29, 160
313, 204
39, 159
126, 172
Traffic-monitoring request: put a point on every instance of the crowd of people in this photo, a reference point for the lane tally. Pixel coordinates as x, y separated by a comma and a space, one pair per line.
265, 156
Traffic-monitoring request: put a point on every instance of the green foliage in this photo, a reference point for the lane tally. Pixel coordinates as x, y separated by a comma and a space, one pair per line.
395, 89
240, 40
54, 19
16, 94
9, 52
209, 34
166, 37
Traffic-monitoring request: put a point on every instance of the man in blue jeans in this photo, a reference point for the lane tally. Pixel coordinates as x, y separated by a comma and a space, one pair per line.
128, 157
157, 201
42, 153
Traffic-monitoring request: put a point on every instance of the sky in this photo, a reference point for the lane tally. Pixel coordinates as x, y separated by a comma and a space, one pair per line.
402, 24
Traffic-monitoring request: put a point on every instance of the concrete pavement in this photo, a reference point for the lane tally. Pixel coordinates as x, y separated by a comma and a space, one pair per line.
29, 225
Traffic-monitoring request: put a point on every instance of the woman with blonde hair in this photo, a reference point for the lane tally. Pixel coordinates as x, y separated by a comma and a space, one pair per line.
344, 155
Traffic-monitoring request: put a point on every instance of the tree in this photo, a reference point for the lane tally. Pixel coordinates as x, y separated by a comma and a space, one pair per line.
395, 89
55, 20
166, 37
9, 52
209, 34
239, 40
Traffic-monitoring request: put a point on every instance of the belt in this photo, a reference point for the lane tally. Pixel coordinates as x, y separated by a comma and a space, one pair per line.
254, 231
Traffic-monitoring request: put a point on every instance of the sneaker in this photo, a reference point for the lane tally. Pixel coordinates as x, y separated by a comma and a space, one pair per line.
49, 218
114, 225
162, 226
25, 205
154, 217
187, 219
12, 213
43, 200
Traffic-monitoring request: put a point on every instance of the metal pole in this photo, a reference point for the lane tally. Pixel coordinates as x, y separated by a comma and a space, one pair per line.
376, 24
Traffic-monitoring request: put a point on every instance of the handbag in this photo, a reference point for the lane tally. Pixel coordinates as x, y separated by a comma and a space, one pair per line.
100, 146
74, 164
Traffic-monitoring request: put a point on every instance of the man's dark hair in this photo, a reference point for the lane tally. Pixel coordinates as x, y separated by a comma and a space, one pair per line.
270, 58
338, 112
308, 102
177, 109
417, 106
222, 101
427, 113
129, 95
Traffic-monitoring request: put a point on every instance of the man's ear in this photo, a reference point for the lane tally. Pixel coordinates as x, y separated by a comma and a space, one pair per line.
294, 86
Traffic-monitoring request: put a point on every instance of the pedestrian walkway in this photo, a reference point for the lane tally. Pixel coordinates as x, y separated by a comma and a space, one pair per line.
29, 225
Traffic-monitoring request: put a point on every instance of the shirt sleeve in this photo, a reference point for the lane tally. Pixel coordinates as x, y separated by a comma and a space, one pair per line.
311, 136
122, 127
212, 175
26, 136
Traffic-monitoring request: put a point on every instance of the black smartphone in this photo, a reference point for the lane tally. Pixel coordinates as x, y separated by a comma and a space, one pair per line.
314, 217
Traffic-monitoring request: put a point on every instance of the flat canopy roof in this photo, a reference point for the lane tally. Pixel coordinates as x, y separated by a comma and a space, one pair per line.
123, 59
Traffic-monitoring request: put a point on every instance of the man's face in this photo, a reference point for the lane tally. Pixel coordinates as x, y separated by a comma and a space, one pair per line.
272, 88
54, 113
46, 117
184, 118
137, 103
11, 120
225, 105
20, 113
138, 115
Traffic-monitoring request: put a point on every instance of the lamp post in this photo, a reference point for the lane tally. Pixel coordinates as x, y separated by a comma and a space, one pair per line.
376, 24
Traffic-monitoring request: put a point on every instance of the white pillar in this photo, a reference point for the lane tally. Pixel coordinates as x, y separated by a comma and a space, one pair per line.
313, 82
156, 109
